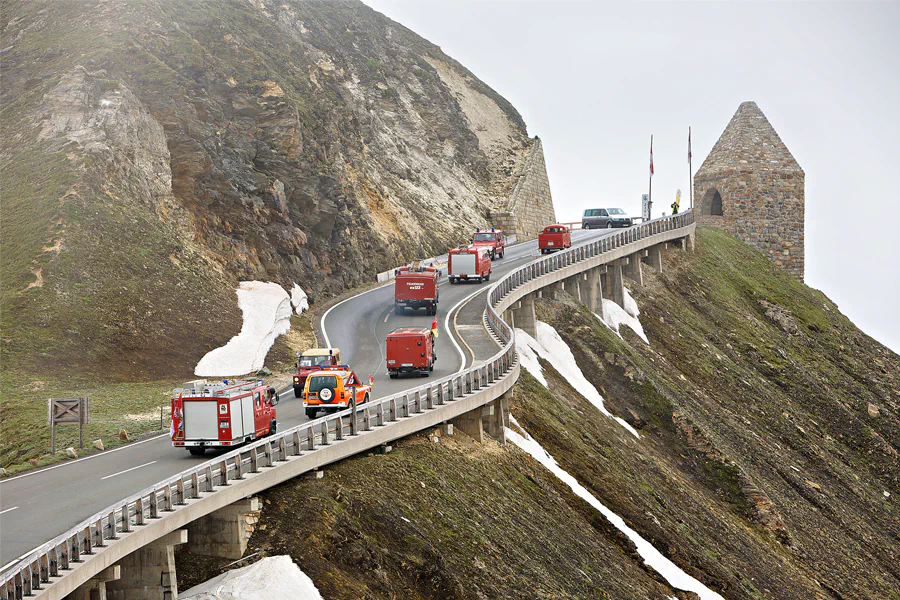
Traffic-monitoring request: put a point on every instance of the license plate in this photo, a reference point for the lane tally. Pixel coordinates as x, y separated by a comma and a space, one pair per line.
406, 365
549, 243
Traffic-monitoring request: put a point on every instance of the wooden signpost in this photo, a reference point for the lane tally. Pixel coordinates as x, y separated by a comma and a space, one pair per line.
68, 410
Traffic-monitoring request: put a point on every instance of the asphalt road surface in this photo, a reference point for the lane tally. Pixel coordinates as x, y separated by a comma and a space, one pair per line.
39, 505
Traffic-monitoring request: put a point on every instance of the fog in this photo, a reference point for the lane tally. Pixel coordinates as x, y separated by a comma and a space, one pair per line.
595, 80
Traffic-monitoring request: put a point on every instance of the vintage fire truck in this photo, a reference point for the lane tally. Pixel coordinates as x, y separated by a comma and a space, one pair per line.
468, 264
410, 350
554, 237
492, 240
332, 389
313, 360
416, 286
208, 415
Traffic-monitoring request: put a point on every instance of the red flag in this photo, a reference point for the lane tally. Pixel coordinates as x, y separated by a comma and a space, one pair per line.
651, 156
371, 380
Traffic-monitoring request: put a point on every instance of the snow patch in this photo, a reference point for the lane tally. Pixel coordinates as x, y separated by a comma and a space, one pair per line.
299, 300
677, 578
554, 350
267, 314
616, 316
271, 577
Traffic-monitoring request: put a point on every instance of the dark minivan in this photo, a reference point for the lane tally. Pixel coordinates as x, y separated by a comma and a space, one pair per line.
605, 218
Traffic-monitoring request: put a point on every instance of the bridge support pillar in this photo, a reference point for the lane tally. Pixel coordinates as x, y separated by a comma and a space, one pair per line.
471, 424
149, 573
225, 532
594, 291
614, 286
95, 587
654, 257
495, 418
524, 317
572, 286
633, 270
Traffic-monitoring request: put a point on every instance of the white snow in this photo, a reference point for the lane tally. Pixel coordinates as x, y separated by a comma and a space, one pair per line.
554, 350
652, 557
298, 299
267, 314
271, 577
616, 316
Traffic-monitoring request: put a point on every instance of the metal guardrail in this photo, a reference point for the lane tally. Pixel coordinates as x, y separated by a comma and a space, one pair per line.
54, 558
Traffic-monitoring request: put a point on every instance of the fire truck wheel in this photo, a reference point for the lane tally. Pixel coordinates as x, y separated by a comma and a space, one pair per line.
273, 426
197, 450
398, 310
488, 276
311, 413
452, 280
298, 391
501, 254
393, 376
365, 399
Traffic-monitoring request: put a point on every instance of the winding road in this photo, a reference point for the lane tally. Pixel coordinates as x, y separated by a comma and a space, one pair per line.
38, 505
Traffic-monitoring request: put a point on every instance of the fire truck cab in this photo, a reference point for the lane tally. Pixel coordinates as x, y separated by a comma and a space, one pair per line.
416, 286
492, 240
554, 237
313, 360
332, 389
224, 414
410, 350
468, 264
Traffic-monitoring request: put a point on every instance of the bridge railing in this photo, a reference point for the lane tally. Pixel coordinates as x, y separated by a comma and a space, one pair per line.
53, 559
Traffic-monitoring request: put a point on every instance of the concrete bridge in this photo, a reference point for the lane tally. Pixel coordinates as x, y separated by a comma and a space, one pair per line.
127, 549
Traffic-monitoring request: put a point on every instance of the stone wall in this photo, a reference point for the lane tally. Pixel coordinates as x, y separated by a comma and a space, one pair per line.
761, 188
530, 205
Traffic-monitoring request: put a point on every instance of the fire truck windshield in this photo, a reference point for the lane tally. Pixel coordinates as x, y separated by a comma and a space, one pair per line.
314, 361
317, 382
484, 237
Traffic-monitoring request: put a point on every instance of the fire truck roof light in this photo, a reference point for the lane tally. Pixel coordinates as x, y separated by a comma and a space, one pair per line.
493, 230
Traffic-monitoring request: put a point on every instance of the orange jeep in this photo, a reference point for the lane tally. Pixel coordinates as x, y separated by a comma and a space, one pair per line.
332, 389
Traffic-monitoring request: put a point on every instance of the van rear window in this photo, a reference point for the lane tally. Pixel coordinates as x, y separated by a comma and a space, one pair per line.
317, 382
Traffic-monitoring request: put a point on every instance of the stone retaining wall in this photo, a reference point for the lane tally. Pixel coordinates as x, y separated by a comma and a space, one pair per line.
530, 205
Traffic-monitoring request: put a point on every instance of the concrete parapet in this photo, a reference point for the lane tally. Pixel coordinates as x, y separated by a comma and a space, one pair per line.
225, 532
95, 587
149, 573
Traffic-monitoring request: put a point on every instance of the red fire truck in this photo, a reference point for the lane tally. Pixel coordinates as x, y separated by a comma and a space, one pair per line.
492, 240
554, 237
226, 414
313, 360
332, 389
416, 286
470, 263
410, 350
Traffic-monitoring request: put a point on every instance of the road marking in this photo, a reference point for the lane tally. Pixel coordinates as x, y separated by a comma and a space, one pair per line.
387, 316
127, 470
462, 356
456, 328
98, 455
325, 316
8, 509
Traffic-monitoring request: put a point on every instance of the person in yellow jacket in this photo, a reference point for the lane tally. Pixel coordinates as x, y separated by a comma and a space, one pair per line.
677, 203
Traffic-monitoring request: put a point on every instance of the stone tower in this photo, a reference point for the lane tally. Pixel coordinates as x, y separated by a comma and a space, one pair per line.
752, 187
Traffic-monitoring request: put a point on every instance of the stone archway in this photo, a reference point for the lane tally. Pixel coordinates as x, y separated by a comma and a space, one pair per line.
712, 203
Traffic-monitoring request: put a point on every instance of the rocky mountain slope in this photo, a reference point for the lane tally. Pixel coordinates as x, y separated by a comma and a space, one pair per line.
155, 153
767, 465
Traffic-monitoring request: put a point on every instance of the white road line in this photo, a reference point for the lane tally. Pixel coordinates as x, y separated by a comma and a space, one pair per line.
8, 509
98, 455
127, 470
325, 316
462, 356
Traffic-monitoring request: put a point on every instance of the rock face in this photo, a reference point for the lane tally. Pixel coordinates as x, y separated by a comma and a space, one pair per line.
163, 152
751, 186
530, 205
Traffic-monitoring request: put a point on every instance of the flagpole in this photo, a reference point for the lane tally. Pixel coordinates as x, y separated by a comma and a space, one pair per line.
650, 195
690, 169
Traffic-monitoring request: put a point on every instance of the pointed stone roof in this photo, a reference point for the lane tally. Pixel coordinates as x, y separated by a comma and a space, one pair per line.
748, 144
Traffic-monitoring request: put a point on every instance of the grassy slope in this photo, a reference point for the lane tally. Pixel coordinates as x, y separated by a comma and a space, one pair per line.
773, 468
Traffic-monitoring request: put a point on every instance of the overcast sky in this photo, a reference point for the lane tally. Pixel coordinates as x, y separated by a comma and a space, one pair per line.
594, 80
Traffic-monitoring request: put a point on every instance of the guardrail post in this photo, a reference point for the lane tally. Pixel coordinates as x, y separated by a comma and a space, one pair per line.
54, 559
223, 470
325, 433
379, 414
368, 419
195, 485
429, 398
139, 511
209, 479
392, 410
167, 498
26, 580
45, 571
269, 454
418, 397
154, 504
440, 394
254, 460
282, 449
126, 521
87, 546
296, 443
310, 438
339, 428
179, 491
